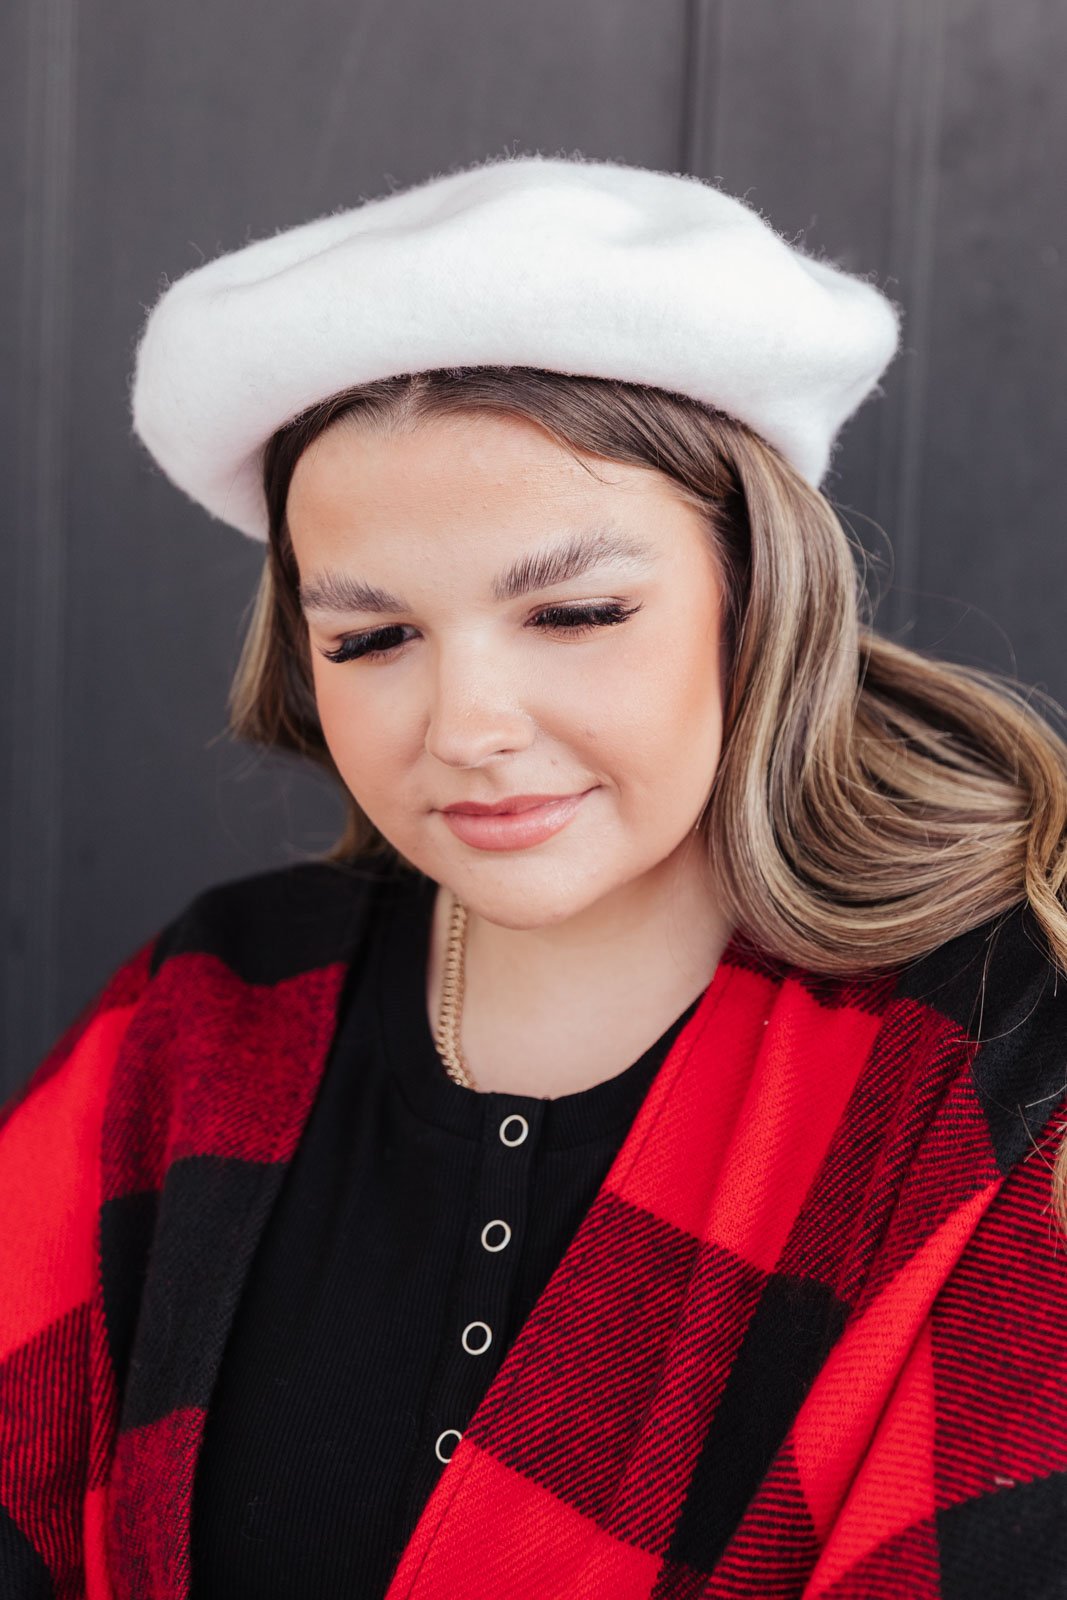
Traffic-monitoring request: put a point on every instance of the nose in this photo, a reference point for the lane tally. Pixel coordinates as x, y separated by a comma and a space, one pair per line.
475, 708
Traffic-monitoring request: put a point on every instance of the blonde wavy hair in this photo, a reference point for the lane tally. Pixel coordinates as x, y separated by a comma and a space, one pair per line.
869, 804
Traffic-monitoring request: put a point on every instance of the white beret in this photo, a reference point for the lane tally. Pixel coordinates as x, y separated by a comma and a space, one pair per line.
566, 263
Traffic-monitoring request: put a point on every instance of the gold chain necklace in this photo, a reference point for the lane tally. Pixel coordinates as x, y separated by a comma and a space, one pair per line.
446, 1034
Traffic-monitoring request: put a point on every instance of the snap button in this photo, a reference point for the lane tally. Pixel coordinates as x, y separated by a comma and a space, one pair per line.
476, 1349
449, 1433
497, 1222
520, 1132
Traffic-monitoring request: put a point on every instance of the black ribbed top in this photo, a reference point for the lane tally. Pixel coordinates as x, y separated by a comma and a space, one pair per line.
346, 1366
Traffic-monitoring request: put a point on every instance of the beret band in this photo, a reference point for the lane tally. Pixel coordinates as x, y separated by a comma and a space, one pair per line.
578, 266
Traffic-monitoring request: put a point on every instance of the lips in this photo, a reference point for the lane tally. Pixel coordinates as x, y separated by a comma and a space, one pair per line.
503, 808
515, 830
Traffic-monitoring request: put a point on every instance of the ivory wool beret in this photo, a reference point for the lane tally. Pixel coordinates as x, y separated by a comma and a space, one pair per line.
565, 263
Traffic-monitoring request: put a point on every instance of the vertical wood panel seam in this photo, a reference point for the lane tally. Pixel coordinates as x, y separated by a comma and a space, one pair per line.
914, 220
31, 977
703, 43
692, 86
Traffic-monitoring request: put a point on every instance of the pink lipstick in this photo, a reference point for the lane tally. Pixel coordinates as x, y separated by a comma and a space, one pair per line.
515, 830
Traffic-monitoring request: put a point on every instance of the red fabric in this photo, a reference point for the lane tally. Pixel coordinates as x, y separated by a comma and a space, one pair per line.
809, 1341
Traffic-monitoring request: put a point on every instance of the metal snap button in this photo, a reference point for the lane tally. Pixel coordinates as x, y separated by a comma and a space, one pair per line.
497, 1222
520, 1132
476, 1349
449, 1433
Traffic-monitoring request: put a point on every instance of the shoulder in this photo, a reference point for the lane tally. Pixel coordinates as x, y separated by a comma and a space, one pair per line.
988, 1004
996, 980
262, 928
1000, 987
272, 925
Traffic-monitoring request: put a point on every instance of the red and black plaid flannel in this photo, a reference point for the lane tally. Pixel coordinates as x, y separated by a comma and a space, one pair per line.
809, 1341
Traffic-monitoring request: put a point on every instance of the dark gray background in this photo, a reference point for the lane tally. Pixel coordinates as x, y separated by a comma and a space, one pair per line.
921, 141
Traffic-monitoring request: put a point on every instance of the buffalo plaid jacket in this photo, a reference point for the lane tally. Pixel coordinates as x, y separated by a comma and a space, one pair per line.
809, 1341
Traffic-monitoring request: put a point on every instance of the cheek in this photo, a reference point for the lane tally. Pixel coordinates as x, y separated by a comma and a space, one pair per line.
675, 675
331, 698
646, 717
358, 729
663, 714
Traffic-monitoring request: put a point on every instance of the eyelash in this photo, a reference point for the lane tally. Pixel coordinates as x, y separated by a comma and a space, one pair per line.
360, 646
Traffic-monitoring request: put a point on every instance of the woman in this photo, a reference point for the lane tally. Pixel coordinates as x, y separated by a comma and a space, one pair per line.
654, 1190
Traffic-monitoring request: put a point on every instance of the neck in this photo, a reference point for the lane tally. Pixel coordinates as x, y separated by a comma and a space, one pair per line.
555, 1008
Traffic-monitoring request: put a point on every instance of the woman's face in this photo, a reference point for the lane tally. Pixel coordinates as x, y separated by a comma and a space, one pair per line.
482, 691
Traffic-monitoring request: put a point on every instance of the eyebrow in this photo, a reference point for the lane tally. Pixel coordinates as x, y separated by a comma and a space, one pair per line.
333, 590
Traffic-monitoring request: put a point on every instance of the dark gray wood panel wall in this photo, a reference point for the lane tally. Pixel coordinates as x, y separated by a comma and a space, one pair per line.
919, 142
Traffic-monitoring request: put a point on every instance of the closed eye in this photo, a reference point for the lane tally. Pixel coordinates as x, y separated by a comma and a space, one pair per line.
380, 643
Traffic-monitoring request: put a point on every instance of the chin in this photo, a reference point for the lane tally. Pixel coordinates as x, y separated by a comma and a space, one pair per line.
524, 906
524, 919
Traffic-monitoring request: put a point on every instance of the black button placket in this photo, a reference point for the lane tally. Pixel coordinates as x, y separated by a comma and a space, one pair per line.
477, 1324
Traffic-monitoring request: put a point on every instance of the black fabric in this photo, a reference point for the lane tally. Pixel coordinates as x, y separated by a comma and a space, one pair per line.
345, 1364
269, 926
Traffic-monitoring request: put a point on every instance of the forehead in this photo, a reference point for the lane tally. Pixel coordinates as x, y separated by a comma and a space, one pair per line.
466, 459
494, 491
